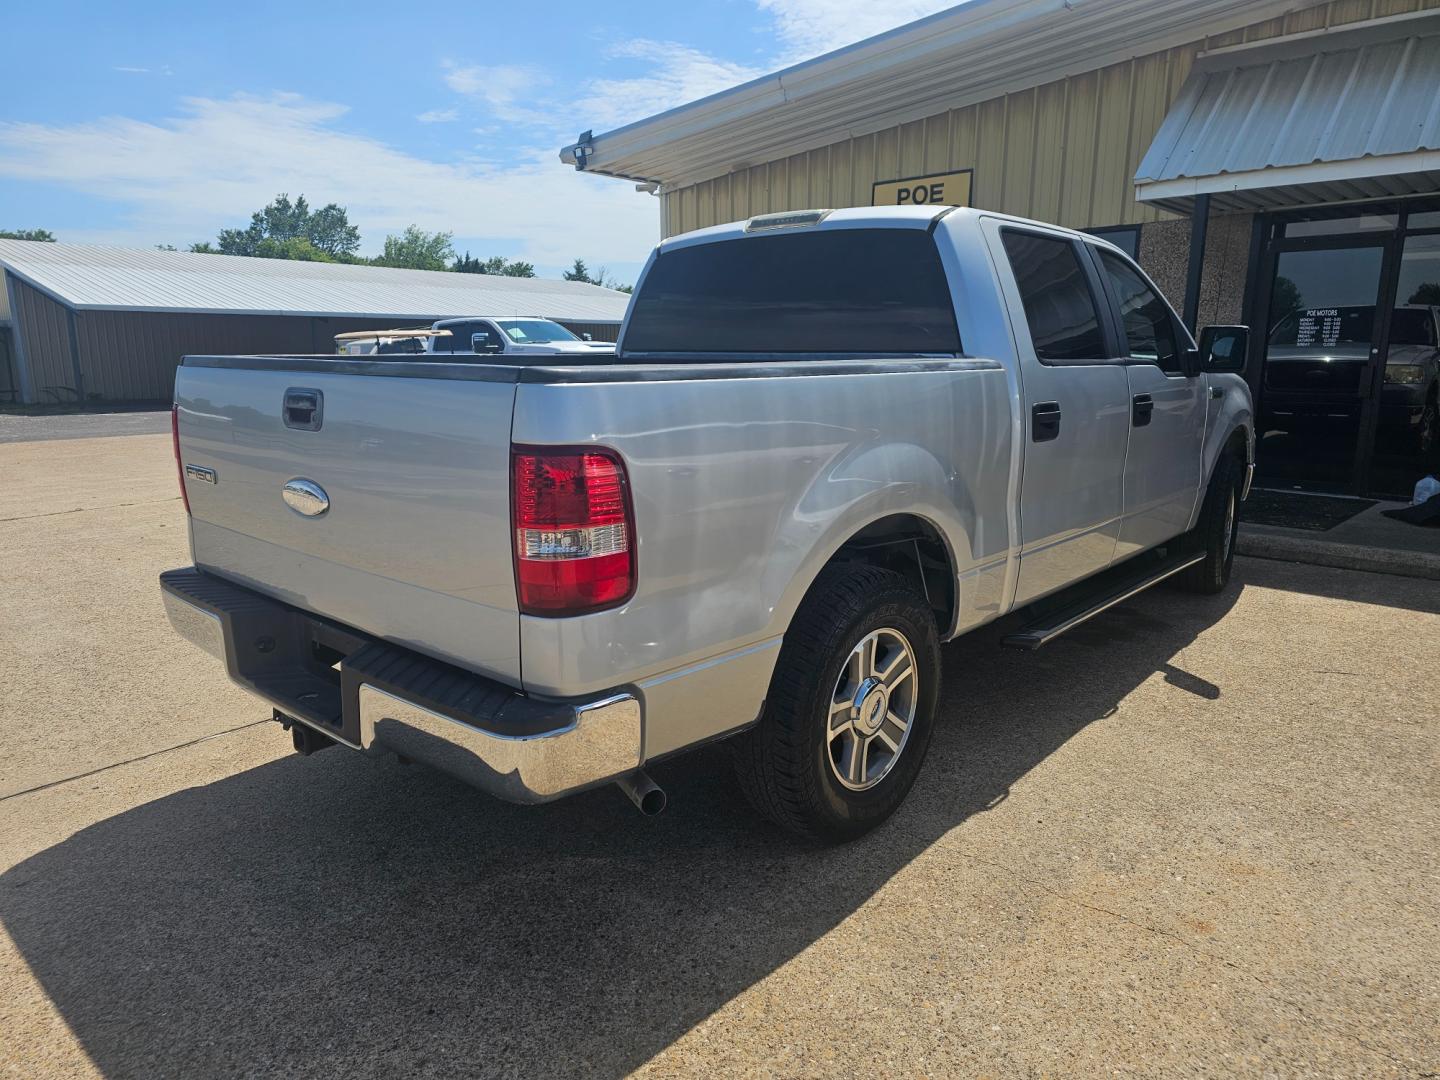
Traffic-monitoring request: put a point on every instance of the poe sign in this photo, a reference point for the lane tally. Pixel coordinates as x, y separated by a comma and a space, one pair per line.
937, 189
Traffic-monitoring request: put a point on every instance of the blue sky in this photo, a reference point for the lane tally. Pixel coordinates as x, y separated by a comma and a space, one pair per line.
151, 123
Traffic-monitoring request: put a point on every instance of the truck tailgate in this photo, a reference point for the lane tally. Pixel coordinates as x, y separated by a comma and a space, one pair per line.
415, 546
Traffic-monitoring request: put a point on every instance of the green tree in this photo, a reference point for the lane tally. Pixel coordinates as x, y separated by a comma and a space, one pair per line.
1427, 293
416, 249
496, 264
602, 277
326, 231
295, 247
1284, 298
579, 272
45, 236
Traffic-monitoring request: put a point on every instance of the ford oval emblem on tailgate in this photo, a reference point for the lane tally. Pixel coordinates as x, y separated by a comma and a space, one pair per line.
306, 497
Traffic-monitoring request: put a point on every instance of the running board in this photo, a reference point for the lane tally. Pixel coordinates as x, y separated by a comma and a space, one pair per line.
1057, 620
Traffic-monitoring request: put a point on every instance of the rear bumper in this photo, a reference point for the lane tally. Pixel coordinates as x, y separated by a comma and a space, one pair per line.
381, 697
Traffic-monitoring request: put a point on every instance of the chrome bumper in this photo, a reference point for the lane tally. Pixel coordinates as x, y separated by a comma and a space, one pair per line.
603, 743
550, 749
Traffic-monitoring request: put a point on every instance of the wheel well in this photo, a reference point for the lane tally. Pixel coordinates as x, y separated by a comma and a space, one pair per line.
913, 548
1239, 444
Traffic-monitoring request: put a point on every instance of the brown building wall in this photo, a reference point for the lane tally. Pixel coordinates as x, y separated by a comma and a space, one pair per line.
44, 340
132, 355
1165, 255
597, 331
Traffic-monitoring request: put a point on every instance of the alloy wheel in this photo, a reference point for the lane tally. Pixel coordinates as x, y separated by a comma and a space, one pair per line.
872, 709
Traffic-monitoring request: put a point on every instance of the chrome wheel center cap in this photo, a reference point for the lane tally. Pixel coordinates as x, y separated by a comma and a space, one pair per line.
872, 702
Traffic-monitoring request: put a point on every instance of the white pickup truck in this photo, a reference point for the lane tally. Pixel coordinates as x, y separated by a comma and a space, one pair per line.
829, 441
510, 337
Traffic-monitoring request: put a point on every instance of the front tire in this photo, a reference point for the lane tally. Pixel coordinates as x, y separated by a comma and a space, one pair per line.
850, 710
1217, 529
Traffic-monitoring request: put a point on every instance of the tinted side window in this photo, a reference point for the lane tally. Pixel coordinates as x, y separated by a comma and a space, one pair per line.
866, 291
1149, 328
1059, 306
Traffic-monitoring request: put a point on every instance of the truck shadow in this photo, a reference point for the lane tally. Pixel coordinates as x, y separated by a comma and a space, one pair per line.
339, 917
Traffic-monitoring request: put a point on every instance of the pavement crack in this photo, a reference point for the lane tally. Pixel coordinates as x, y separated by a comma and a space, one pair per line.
131, 761
1264, 983
89, 509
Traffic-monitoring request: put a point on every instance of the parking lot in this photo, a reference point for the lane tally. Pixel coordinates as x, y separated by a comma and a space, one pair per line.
1197, 836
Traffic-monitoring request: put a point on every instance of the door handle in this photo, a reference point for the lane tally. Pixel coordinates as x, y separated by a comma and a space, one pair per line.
1141, 406
1045, 421
303, 409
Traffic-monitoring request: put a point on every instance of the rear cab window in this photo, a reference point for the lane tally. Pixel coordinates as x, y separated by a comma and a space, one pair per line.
1061, 308
838, 291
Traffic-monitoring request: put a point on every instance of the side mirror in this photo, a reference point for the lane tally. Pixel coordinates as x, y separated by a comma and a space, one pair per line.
1224, 348
588, 337
481, 343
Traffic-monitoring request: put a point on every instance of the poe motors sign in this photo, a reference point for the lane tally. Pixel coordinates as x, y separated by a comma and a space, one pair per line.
937, 189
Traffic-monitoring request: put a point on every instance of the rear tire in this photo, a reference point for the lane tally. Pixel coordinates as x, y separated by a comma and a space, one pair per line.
1216, 531
831, 758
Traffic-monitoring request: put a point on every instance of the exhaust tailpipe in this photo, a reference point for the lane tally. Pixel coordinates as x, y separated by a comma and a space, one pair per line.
647, 795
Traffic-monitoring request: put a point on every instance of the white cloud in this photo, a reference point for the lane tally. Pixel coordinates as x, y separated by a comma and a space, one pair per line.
163, 69
808, 28
214, 162
186, 177
678, 74
509, 91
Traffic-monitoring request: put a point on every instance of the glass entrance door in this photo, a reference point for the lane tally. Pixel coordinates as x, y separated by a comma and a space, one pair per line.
1317, 362
1407, 421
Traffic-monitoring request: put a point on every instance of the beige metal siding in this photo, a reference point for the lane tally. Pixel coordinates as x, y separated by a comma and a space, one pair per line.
1064, 151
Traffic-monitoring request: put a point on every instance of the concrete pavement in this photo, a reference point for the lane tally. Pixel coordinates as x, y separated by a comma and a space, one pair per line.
1195, 837
1368, 541
37, 427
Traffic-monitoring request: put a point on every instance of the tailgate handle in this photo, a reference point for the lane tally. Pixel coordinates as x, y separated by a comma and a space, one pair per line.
303, 409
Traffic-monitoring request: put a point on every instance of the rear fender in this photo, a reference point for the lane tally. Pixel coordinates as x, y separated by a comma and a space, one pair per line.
858, 490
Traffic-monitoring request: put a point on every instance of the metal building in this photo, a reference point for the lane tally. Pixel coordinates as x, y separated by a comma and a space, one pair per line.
1264, 160
99, 324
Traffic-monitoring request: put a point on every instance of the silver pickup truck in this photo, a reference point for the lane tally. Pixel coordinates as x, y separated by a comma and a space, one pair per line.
828, 442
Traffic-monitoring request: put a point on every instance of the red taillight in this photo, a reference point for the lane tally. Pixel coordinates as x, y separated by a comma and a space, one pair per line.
179, 465
574, 548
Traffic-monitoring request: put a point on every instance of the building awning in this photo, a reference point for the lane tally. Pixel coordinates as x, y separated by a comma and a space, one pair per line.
972, 52
1350, 113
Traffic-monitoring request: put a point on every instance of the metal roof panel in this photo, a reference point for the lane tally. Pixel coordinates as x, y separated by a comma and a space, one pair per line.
92, 277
